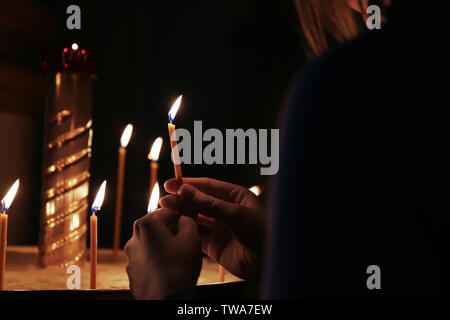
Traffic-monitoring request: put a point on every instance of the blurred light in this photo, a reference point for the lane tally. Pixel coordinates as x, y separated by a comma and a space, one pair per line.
154, 199
256, 190
156, 148
126, 135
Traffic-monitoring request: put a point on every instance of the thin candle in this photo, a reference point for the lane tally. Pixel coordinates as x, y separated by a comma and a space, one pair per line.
153, 156
126, 135
96, 206
154, 199
173, 139
6, 203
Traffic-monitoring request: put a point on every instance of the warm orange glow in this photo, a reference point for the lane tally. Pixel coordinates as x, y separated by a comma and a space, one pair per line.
154, 199
156, 148
75, 223
9, 197
97, 205
173, 111
58, 79
126, 135
256, 190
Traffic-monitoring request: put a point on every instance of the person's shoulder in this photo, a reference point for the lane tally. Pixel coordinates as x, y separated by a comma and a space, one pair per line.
378, 57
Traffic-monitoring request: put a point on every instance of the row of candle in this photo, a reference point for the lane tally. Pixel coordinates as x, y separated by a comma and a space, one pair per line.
97, 204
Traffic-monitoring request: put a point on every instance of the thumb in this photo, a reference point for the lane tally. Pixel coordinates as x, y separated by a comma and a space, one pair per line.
206, 204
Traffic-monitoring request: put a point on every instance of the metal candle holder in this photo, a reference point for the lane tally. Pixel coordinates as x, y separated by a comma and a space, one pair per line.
66, 156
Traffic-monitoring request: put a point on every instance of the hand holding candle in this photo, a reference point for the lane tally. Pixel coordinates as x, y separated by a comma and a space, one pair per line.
96, 206
153, 156
126, 135
6, 203
173, 140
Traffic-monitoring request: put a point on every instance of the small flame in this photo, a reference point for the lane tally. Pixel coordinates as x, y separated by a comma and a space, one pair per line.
154, 199
156, 148
97, 205
173, 111
256, 190
9, 197
126, 135
74, 47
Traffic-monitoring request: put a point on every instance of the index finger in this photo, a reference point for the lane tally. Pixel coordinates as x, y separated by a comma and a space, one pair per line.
216, 188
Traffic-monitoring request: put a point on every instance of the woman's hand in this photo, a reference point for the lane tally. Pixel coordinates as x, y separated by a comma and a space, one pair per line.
164, 255
231, 221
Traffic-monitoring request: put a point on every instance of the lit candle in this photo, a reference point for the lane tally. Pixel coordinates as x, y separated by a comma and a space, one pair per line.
256, 191
173, 140
6, 203
96, 206
154, 199
126, 135
153, 156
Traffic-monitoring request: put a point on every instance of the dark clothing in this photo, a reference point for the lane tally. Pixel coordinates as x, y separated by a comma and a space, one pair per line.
364, 173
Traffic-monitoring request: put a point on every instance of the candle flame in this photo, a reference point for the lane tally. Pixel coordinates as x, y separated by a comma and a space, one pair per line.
9, 197
156, 148
126, 135
154, 199
97, 205
74, 47
256, 190
173, 111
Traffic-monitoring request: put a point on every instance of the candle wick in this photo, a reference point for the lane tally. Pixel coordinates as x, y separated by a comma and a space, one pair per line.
3, 207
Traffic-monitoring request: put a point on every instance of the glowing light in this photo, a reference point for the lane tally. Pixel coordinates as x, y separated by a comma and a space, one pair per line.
58, 79
154, 199
83, 51
75, 222
256, 190
126, 135
74, 47
97, 205
66, 50
156, 148
9, 197
173, 111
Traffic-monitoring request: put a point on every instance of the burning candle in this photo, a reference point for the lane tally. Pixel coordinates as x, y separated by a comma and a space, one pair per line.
173, 140
126, 135
153, 156
154, 199
96, 206
6, 203
256, 191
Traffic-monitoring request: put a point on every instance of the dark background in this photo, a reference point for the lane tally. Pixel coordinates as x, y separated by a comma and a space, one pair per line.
231, 59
